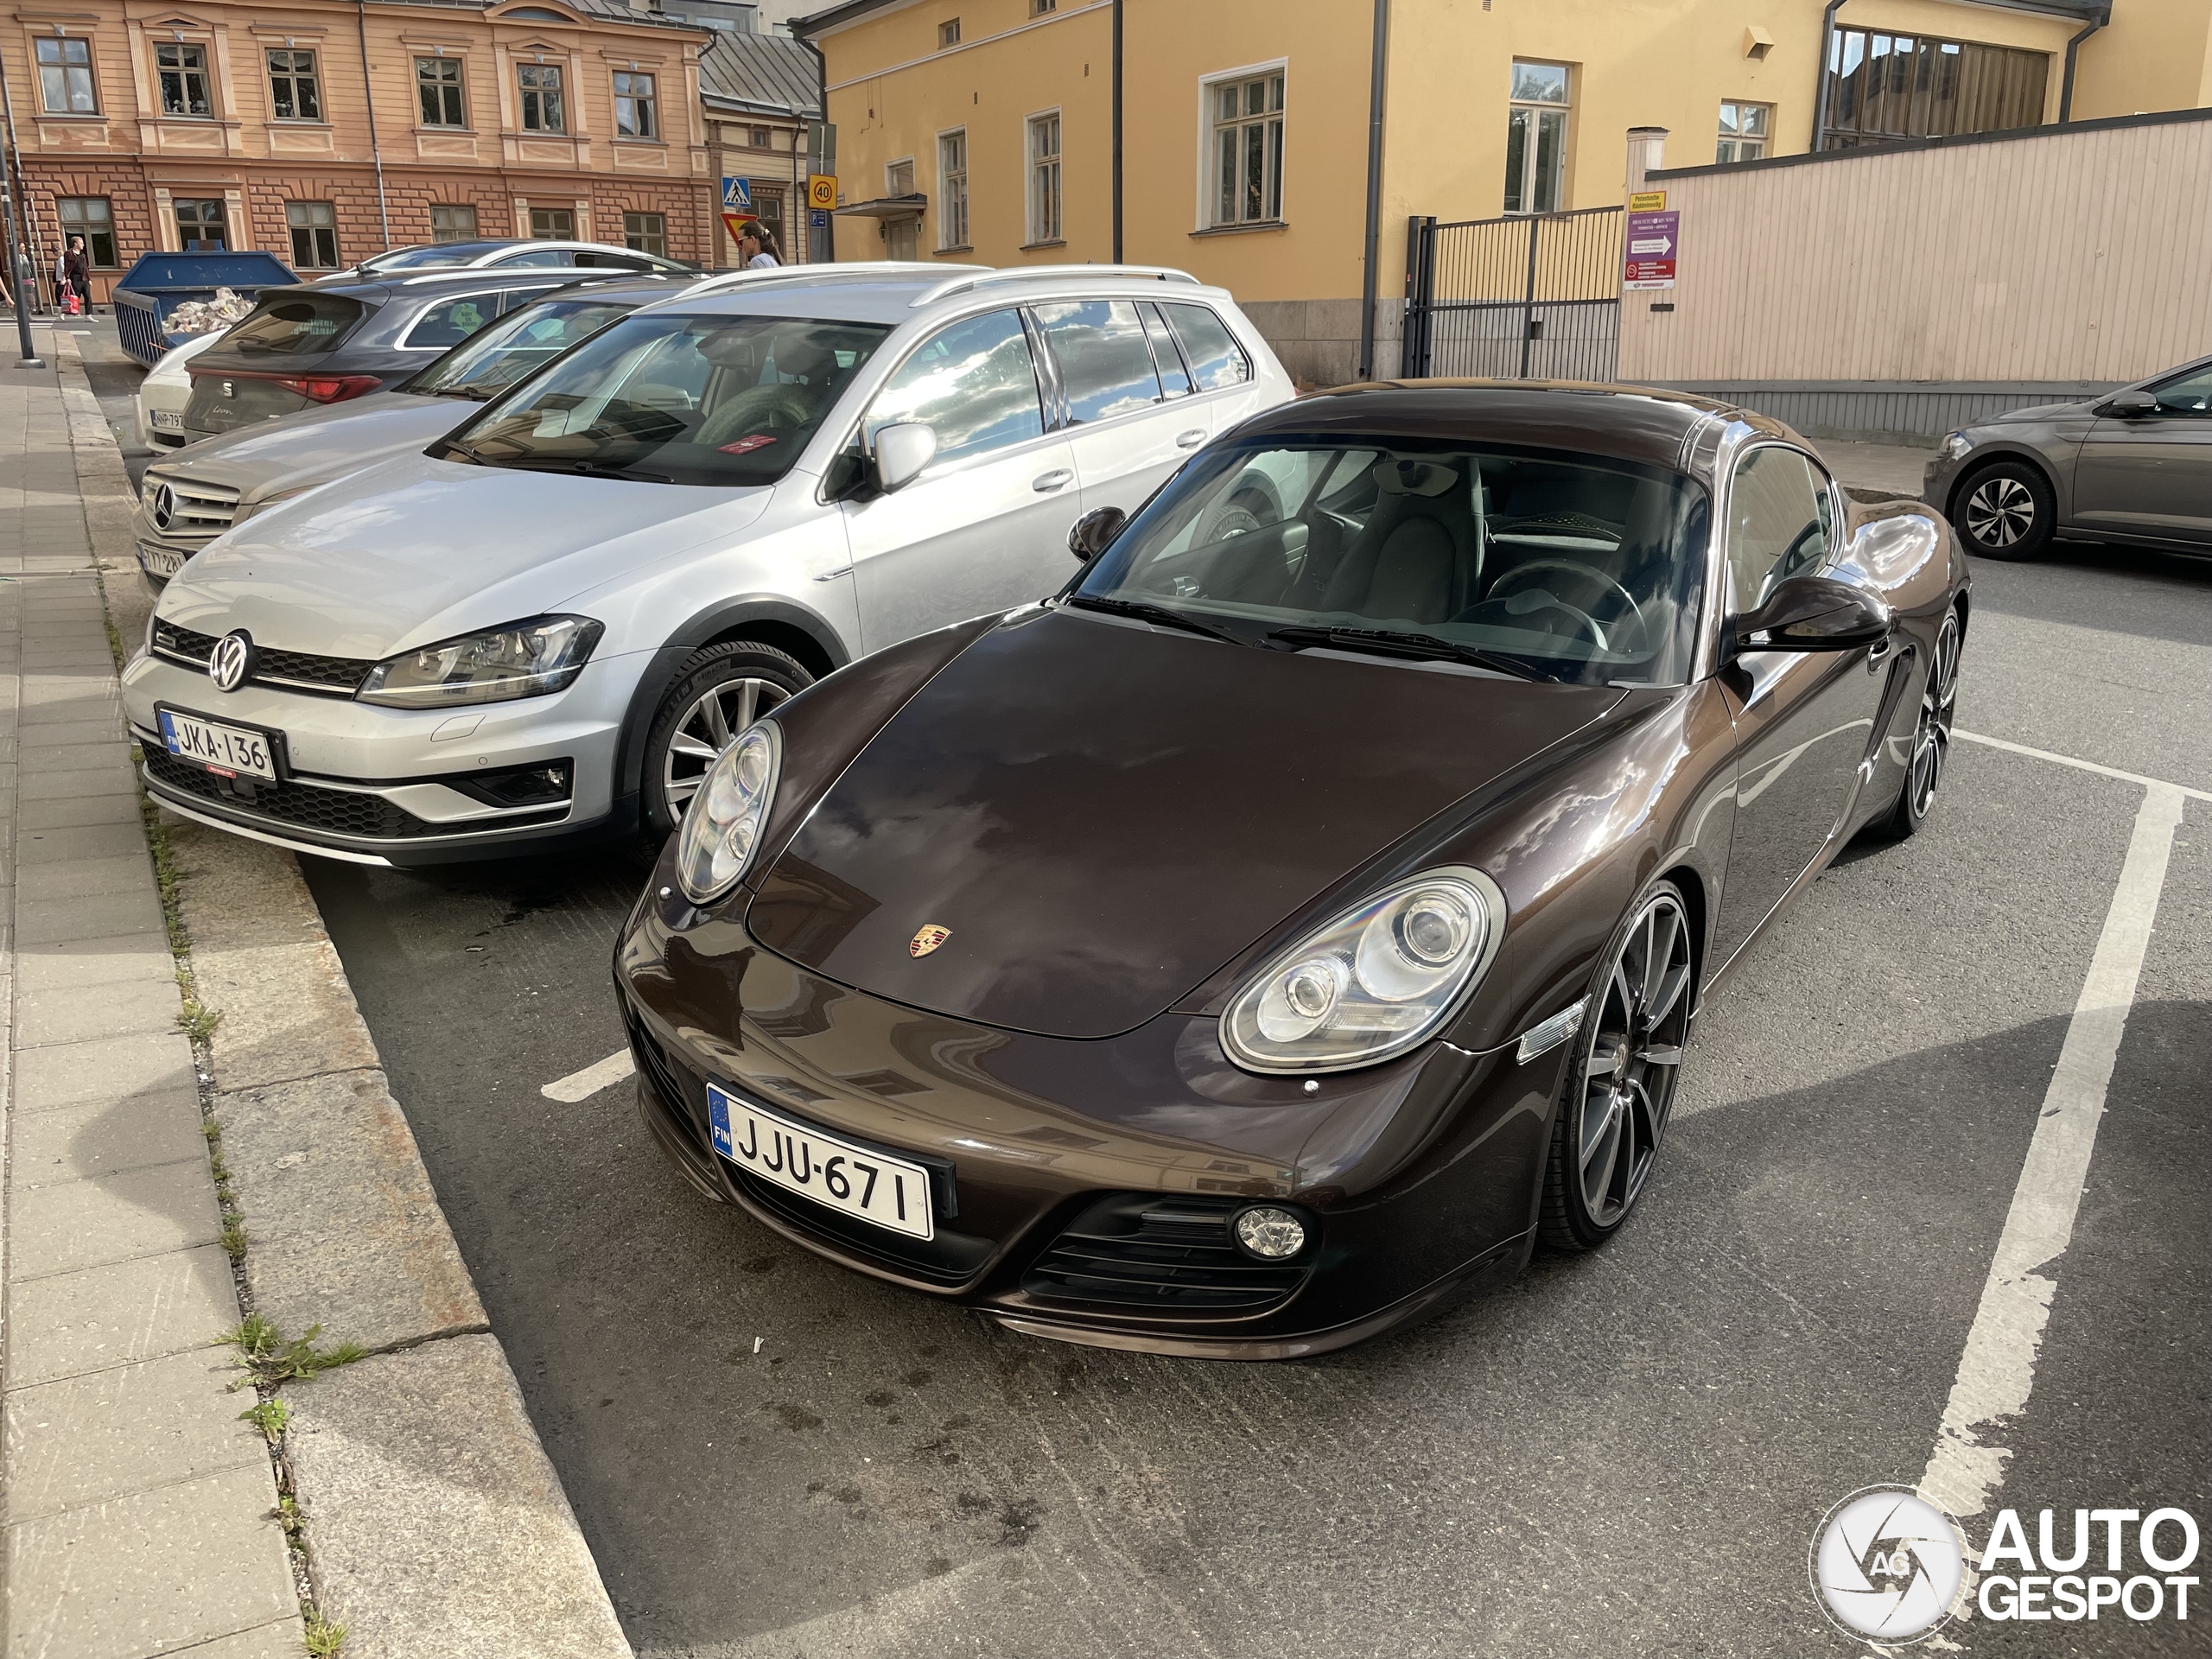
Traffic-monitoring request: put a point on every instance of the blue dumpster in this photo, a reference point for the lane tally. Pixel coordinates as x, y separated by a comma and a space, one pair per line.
160, 283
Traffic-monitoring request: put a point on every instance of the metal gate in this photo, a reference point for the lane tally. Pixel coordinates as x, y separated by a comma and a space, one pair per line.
1526, 296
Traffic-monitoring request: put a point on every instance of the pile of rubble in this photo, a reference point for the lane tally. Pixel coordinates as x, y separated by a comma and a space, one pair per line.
199, 316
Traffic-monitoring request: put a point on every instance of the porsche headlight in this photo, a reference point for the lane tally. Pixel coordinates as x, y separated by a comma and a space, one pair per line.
524, 659
722, 827
1375, 981
1955, 447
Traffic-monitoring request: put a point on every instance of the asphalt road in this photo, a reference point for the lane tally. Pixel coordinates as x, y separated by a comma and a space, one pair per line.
1624, 1453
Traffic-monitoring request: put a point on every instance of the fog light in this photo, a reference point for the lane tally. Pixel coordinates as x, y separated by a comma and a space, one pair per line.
1270, 1234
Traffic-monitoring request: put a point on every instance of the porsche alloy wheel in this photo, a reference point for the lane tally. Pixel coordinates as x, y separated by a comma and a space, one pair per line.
719, 693
2006, 511
1931, 734
1620, 1088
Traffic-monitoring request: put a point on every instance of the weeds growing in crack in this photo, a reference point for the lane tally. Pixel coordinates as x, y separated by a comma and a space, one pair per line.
270, 1416
269, 1361
322, 1637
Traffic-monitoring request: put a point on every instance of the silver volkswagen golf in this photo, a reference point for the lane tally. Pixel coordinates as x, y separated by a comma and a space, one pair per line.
547, 625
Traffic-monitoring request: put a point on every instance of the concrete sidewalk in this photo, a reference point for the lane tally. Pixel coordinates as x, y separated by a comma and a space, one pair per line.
139, 1509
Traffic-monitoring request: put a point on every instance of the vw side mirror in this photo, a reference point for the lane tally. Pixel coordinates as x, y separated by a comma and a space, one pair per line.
901, 452
1095, 532
2129, 405
1814, 614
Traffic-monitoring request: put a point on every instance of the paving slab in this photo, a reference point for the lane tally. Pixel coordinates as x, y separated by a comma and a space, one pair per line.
43, 921
71, 878
165, 1420
278, 1641
77, 1016
76, 1323
79, 812
110, 1069
79, 963
105, 1137
97, 841
440, 1528
72, 1225
153, 1572
346, 1230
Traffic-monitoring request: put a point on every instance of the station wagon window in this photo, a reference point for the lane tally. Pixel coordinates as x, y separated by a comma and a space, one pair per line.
1174, 379
450, 321
1216, 360
64, 77
182, 70
1778, 524
1105, 366
973, 383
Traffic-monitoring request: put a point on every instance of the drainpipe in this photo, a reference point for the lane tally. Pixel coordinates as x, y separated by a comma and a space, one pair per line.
1820, 87
369, 101
1118, 129
1380, 55
2066, 87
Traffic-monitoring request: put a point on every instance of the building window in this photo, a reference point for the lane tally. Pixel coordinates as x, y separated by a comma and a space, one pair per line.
948, 33
65, 78
541, 97
200, 225
453, 222
1884, 87
92, 218
761, 138
313, 225
952, 190
293, 94
552, 224
646, 233
1248, 149
634, 106
1044, 177
1535, 139
1745, 129
183, 73
1038, 8
437, 83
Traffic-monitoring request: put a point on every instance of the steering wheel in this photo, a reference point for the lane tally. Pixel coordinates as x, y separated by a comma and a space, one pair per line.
1575, 568
1542, 600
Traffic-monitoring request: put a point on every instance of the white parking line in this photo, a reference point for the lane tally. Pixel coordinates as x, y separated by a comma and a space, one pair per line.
583, 1085
2082, 766
1997, 1369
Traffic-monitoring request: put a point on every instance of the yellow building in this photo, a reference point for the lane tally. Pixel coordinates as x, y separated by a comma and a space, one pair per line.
986, 129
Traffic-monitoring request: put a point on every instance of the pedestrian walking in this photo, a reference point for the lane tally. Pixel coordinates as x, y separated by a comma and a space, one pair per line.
77, 275
756, 245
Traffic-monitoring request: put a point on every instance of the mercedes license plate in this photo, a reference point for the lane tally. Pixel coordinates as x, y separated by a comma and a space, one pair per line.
163, 562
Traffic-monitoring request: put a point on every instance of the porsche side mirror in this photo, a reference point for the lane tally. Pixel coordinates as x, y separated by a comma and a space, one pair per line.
2129, 405
1095, 532
901, 452
1814, 614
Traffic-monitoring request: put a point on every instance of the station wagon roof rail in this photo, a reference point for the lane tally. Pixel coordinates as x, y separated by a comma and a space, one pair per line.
1017, 273
851, 271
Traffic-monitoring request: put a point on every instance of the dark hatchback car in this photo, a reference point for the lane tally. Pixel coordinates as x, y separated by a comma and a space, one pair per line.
2133, 466
1277, 931
328, 342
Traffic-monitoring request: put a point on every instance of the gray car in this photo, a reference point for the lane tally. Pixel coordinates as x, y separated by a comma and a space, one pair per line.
330, 342
2133, 466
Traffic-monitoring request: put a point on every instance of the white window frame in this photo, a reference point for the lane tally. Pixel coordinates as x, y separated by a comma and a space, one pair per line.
1039, 234
1565, 113
953, 230
1764, 140
1204, 218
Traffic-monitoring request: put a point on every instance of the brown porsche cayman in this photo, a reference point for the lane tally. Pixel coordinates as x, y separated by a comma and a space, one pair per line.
1285, 925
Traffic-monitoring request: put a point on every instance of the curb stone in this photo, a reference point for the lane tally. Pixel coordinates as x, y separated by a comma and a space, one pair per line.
436, 1525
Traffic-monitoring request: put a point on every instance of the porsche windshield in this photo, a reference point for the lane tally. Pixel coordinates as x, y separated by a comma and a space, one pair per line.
673, 399
1549, 564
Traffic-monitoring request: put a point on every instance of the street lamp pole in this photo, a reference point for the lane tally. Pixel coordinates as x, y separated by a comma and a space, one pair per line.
31, 359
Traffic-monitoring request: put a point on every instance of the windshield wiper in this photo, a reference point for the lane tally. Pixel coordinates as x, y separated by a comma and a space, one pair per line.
470, 392
1165, 616
454, 449
584, 468
1383, 642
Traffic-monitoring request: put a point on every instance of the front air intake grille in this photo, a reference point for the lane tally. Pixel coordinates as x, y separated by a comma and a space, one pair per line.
305, 806
199, 512
298, 670
1166, 1253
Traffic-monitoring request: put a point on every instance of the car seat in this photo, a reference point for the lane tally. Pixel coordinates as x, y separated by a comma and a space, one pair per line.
1417, 559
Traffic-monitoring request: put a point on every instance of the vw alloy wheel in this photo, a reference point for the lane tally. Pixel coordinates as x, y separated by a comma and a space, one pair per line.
705, 730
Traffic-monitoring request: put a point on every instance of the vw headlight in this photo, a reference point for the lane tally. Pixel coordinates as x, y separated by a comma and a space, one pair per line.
1955, 447
722, 827
1381, 978
524, 659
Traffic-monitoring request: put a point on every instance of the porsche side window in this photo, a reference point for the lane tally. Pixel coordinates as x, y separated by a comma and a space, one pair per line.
972, 383
2188, 396
1777, 524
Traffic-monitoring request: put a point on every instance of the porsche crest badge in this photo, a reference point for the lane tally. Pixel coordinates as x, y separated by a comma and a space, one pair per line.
927, 940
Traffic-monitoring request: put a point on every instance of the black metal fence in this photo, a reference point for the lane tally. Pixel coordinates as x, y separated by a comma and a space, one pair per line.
1527, 297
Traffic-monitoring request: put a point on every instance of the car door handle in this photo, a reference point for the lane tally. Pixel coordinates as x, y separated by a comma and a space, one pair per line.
1046, 483
1878, 652
1191, 439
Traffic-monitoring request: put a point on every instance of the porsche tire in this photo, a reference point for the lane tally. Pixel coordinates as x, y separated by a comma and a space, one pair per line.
1620, 1085
1931, 735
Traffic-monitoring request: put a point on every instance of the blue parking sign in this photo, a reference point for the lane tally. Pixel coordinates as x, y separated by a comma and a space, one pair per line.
737, 195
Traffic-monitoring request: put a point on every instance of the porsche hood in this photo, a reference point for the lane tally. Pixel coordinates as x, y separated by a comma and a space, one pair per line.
1095, 817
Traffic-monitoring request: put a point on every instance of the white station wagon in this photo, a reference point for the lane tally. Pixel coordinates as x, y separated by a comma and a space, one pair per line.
547, 625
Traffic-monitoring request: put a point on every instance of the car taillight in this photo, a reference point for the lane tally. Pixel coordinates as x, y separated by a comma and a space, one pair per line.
329, 388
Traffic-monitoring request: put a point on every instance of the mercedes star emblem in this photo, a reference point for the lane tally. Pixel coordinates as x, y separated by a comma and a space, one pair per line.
164, 507
231, 660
